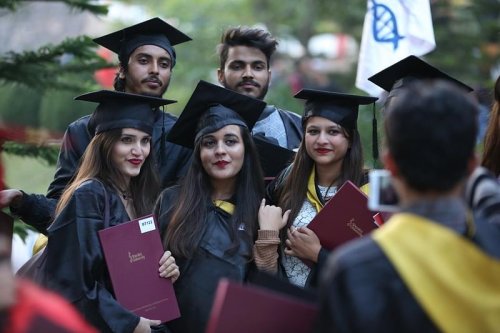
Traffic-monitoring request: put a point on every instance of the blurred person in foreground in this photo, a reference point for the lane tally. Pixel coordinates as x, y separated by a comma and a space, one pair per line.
433, 267
25, 307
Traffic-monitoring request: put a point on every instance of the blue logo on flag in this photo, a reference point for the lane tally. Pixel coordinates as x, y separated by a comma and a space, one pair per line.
385, 25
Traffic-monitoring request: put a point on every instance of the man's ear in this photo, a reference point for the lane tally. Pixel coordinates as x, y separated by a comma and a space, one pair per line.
121, 73
220, 75
389, 163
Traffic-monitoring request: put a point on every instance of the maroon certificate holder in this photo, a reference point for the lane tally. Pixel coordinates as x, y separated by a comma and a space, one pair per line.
344, 217
132, 251
249, 309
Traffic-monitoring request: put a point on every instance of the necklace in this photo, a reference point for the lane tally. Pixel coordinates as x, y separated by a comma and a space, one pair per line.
126, 195
325, 197
325, 192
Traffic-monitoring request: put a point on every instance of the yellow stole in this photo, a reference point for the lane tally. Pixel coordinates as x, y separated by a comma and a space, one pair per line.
225, 206
454, 281
365, 189
312, 195
40, 243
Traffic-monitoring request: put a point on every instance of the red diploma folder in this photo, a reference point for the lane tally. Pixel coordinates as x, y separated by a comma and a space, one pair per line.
249, 309
132, 251
344, 217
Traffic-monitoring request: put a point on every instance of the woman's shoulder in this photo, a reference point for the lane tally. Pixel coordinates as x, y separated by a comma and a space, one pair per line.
281, 178
167, 198
92, 185
276, 185
170, 191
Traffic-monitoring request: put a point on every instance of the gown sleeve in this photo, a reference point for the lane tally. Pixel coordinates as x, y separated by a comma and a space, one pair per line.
266, 247
75, 263
37, 210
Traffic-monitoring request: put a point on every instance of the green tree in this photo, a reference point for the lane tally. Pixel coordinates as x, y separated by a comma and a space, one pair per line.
34, 79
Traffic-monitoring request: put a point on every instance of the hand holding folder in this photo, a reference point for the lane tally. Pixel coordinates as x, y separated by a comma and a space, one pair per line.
344, 217
132, 251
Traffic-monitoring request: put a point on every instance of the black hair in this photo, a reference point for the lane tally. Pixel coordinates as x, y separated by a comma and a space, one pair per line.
431, 133
246, 36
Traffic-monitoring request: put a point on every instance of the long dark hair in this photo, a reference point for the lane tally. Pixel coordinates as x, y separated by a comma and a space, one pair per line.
190, 207
96, 162
292, 193
491, 154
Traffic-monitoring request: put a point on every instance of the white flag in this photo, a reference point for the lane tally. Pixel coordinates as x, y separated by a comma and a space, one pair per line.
393, 30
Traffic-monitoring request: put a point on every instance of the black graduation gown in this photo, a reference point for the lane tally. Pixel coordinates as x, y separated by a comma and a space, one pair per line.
292, 123
38, 210
361, 291
75, 266
200, 274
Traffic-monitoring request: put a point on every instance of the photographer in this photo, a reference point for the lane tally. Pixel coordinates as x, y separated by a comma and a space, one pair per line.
434, 266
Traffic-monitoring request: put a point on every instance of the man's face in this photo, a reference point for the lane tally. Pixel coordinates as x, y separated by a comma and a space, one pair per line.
149, 71
246, 71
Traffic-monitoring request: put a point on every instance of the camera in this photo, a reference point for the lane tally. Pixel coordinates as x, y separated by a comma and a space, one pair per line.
382, 197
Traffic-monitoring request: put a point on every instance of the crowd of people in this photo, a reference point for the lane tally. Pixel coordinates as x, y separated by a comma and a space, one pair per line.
433, 266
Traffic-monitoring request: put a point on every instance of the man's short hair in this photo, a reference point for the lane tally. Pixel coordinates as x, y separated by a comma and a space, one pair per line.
246, 36
431, 134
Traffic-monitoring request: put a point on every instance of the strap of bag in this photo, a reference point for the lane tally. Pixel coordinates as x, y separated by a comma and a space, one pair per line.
106, 204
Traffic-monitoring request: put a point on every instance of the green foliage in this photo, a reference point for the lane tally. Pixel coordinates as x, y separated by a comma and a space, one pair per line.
44, 67
87, 5
19, 105
21, 229
26, 76
77, 4
9, 4
48, 154
58, 109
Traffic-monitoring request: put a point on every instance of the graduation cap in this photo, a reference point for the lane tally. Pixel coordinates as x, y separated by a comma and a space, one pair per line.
122, 110
210, 108
338, 107
411, 68
154, 31
273, 158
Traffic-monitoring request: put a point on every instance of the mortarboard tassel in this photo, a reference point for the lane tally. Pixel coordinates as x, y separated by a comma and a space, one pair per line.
374, 138
162, 138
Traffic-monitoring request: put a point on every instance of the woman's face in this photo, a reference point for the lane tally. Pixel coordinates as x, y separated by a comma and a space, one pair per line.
325, 141
222, 153
130, 152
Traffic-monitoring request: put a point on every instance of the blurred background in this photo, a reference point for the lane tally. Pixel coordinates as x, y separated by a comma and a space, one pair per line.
47, 57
